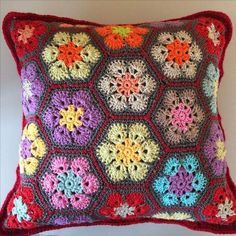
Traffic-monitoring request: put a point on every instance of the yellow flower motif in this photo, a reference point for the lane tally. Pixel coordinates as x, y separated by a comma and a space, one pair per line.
173, 216
38, 148
31, 132
128, 151
220, 151
70, 56
29, 165
71, 117
32, 148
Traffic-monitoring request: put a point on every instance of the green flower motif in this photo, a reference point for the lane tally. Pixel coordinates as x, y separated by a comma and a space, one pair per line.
20, 210
122, 31
69, 183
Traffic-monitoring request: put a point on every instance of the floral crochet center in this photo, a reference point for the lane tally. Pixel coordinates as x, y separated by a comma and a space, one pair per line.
122, 31
69, 53
25, 34
127, 152
181, 117
220, 151
213, 34
127, 84
71, 117
178, 52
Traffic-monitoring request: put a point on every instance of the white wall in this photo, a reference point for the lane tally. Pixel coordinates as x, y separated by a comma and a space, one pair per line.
108, 12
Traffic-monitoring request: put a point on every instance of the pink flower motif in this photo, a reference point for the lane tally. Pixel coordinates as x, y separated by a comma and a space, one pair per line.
90, 184
49, 182
69, 182
59, 200
59, 165
80, 201
80, 166
181, 117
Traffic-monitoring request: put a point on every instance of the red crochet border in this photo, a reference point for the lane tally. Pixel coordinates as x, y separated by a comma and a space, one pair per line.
198, 226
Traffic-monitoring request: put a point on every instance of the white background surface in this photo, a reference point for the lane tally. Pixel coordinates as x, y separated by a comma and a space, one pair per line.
109, 12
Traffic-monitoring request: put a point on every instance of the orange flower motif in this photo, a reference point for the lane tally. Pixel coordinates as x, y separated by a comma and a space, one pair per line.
178, 52
116, 37
127, 85
25, 34
69, 53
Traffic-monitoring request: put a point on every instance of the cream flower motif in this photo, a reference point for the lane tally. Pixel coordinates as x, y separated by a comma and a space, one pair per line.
177, 54
127, 85
180, 116
210, 86
128, 151
70, 56
173, 216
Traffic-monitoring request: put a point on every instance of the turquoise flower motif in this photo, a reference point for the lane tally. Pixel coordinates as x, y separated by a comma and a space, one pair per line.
69, 183
210, 86
161, 184
170, 199
181, 181
190, 163
199, 182
20, 210
189, 199
172, 166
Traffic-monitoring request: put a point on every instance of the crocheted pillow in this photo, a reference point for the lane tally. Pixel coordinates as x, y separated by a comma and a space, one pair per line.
120, 124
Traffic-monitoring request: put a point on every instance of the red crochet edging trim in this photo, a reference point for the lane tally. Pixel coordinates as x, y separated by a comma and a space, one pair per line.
198, 226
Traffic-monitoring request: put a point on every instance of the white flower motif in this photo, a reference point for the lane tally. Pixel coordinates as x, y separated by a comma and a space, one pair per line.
27, 89
177, 54
213, 34
127, 85
124, 210
225, 209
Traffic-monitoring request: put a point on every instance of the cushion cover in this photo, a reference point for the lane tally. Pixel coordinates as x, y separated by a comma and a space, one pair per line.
120, 124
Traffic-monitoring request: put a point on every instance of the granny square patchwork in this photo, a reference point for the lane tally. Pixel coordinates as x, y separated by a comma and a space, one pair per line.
120, 124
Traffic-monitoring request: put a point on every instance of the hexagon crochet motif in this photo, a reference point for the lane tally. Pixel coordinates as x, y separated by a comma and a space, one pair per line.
120, 124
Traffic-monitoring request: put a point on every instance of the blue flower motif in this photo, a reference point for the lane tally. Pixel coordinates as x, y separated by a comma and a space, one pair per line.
172, 166
199, 182
161, 185
181, 181
189, 199
69, 183
170, 199
210, 86
20, 210
190, 163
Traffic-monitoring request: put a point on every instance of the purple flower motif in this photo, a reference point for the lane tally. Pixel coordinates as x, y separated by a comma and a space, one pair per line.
32, 89
71, 117
181, 183
25, 148
29, 72
62, 220
214, 150
159, 24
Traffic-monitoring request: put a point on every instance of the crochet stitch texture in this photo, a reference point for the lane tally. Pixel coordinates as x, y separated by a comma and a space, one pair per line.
120, 124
